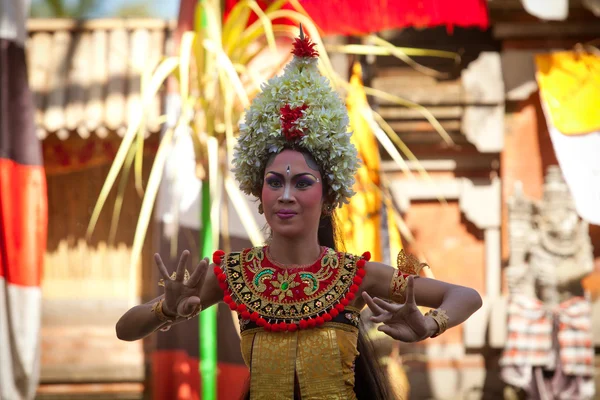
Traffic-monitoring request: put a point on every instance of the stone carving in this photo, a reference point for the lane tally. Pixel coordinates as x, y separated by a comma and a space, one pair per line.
550, 248
548, 354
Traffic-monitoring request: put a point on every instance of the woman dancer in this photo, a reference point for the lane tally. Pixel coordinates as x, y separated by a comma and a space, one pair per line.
298, 298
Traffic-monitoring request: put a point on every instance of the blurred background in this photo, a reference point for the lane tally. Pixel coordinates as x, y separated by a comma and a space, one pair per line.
479, 125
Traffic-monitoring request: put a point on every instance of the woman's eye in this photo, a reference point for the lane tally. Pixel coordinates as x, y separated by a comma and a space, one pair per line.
274, 183
303, 184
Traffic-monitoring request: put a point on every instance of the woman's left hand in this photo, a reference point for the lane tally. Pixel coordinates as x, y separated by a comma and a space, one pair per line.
403, 322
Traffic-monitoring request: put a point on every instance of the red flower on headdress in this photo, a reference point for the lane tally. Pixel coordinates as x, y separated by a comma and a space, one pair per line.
303, 47
289, 116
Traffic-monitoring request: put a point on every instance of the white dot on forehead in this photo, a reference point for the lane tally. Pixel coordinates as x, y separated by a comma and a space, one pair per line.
288, 170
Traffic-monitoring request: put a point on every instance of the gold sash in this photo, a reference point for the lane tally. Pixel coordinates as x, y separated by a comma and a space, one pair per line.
321, 358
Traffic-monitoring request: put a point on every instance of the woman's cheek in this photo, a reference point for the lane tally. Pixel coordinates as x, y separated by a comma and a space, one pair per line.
312, 197
268, 197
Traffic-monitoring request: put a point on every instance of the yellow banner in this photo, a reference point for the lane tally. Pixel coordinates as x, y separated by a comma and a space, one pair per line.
569, 84
361, 218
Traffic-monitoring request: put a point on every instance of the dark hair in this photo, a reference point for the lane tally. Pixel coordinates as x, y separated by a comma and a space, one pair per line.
369, 381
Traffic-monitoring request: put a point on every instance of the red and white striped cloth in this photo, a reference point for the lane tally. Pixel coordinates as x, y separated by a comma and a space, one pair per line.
531, 335
23, 213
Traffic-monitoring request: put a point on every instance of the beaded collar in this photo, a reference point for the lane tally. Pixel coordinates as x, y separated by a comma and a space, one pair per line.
280, 299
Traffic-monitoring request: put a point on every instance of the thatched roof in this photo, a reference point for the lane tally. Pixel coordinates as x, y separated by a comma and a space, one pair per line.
85, 75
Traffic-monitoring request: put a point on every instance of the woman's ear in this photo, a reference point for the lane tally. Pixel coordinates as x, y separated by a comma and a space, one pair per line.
260, 205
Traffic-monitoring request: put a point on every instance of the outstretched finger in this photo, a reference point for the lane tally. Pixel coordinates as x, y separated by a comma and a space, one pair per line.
382, 318
410, 291
181, 266
386, 306
199, 274
161, 266
374, 307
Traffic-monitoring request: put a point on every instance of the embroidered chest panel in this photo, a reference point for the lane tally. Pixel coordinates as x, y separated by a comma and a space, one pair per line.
289, 293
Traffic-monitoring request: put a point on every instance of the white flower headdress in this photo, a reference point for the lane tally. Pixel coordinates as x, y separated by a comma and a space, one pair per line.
298, 110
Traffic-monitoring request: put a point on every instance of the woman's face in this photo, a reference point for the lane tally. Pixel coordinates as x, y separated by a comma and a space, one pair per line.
292, 194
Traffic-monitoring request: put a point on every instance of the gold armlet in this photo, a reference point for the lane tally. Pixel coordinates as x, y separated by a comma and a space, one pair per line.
409, 264
157, 309
398, 287
441, 319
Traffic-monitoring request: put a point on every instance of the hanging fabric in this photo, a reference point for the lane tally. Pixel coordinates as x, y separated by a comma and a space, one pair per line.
570, 94
358, 17
23, 215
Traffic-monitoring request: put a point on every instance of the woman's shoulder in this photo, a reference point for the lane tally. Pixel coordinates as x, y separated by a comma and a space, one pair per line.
354, 256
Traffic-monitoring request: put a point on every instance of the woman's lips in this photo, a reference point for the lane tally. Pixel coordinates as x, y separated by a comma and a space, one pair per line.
285, 214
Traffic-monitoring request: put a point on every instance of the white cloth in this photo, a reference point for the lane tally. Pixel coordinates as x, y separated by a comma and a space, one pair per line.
20, 322
179, 195
552, 10
179, 200
579, 159
593, 6
13, 20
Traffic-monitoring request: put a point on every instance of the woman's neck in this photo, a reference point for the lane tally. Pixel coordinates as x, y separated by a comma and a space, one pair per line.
294, 251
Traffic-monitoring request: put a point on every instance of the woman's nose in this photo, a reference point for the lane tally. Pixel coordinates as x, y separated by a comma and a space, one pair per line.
287, 194
286, 199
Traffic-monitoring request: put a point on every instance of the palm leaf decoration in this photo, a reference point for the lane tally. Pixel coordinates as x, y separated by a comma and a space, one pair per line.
218, 76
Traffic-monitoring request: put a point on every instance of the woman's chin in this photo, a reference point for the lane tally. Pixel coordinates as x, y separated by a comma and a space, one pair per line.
286, 230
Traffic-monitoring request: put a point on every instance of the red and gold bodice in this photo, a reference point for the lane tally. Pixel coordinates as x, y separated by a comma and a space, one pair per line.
287, 298
278, 305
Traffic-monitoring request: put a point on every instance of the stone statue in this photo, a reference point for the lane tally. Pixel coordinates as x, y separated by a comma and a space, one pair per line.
548, 353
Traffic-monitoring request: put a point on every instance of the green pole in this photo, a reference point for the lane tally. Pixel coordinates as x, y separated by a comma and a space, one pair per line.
208, 317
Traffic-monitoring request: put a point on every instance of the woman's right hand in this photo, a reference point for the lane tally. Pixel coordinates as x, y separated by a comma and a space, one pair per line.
182, 299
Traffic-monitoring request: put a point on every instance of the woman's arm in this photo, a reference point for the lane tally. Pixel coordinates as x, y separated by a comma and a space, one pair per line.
140, 321
459, 302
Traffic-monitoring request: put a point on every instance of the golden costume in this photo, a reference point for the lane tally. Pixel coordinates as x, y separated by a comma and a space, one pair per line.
299, 336
296, 326
298, 333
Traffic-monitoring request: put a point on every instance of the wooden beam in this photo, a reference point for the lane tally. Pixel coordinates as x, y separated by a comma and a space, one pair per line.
439, 112
120, 391
545, 30
423, 126
495, 5
418, 88
430, 138
455, 163
56, 24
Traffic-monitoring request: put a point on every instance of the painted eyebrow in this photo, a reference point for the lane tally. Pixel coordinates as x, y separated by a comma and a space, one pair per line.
293, 177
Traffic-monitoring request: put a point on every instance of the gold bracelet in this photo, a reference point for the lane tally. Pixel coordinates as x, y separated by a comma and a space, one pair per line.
157, 308
409, 264
441, 319
398, 287
196, 312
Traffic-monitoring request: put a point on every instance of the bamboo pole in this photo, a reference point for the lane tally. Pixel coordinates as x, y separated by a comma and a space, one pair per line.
208, 318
